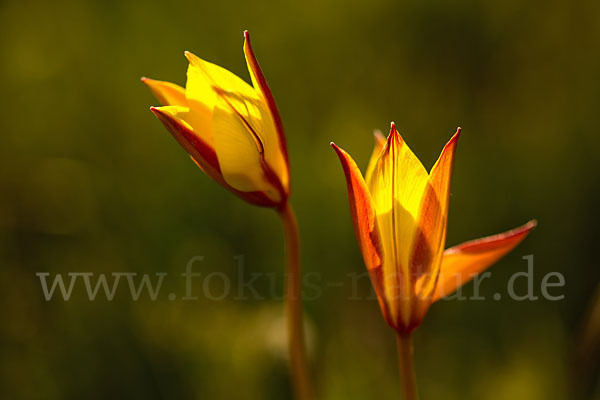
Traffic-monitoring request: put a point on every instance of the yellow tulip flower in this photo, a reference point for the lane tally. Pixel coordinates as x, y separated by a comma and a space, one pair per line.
232, 130
234, 133
400, 215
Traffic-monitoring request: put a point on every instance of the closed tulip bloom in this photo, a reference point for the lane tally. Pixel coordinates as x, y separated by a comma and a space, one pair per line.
231, 129
400, 215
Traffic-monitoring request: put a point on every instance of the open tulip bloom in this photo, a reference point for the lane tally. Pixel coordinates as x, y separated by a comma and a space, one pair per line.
234, 133
400, 216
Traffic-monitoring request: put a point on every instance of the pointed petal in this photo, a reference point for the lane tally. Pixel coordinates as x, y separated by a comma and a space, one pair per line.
461, 263
361, 207
441, 175
433, 217
169, 94
379, 143
365, 224
242, 142
173, 118
203, 77
242, 129
396, 186
202, 154
198, 117
260, 84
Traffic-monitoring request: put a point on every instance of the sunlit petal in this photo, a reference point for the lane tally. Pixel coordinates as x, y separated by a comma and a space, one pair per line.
396, 185
260, 84
242, 142
243, 131
461, 263
378, 146
173, 118
169, 94
203, 77
365, 222
433, 217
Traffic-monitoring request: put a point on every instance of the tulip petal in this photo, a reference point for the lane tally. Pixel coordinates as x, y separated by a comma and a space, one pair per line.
361, 207
242, 144
379, 143
396, 185
365, 223
398, 181
203, 77
242, 129
201, 153
174, 119
256, 198
431, 235
167, 93
461, 263
260, 84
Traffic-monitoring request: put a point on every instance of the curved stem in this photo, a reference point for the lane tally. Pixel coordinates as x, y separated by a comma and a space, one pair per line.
293, 299
407, 369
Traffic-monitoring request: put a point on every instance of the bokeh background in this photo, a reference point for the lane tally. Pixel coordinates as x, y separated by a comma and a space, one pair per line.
90, 181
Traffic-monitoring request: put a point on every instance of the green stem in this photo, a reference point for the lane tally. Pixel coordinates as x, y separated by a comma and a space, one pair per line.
293, 299
407, 369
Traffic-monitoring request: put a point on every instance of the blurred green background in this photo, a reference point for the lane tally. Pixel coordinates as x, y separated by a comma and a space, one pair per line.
92, 182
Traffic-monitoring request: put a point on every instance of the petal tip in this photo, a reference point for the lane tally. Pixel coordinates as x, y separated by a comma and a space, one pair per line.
453, 140
246, 34
147, 81
156, 111
531, 224
456, 135
394, 136
338, 150
527, 227
393, 131
190, 56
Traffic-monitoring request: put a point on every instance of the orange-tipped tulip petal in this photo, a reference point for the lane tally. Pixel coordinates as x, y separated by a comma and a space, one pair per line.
433, 217
231, 129
363, 213
462, 263
169, 94
397, 184
260, 83
203, 155
400, 215
365, 223
379, 143
190, 140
